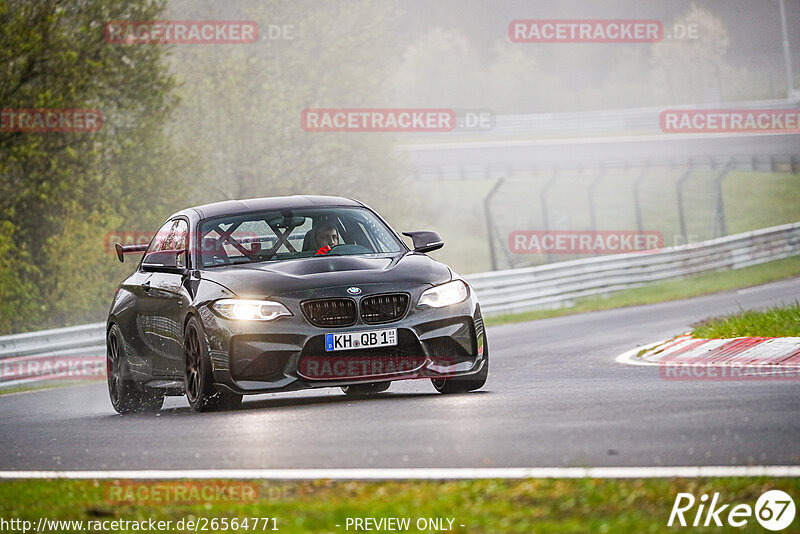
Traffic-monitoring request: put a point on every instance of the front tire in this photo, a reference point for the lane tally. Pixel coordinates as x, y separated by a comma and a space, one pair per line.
125, 396
463, 385
197, 378
365, 390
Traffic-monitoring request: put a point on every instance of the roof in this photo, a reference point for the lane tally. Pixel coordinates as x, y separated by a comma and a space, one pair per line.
268, 203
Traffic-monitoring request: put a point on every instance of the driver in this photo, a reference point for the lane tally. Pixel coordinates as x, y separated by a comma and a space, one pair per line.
326, 237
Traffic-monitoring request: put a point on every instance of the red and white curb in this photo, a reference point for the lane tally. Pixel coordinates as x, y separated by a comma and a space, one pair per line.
684, 357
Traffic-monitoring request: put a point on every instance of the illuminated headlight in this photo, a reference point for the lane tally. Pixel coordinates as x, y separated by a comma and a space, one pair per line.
445, 294
250, 310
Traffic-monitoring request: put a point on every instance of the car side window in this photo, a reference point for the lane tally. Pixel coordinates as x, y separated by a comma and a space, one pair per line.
158, 241
172, 236
178, 238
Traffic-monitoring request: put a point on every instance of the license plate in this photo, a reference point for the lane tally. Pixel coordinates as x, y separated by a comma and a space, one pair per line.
361, 340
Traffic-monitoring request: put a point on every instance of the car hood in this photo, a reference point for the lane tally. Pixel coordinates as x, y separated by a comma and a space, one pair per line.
289, 276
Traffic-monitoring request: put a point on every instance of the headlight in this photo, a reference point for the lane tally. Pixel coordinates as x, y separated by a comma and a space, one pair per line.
250, 310
445, 294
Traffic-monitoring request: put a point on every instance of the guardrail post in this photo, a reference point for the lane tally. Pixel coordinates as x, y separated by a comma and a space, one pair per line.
637, 204
543, 197
719, 215
590, 192
543, 202
489, 225
679, 197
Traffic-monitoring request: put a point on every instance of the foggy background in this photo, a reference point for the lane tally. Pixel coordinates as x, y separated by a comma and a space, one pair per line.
192, 124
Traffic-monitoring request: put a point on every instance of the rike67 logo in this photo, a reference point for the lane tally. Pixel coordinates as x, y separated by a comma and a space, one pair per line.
774, 510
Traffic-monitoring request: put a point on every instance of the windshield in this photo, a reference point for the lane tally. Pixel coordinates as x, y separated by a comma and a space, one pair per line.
293, 233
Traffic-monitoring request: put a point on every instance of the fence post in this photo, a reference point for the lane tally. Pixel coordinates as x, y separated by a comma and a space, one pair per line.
590, 193
489, 224
543, 202
679, 194
719, 215
637, 204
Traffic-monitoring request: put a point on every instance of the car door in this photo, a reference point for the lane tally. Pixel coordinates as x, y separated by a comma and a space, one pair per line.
138, 316
130, 310
168, 300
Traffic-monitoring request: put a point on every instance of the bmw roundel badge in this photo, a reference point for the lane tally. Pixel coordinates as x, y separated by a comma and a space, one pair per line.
354, 290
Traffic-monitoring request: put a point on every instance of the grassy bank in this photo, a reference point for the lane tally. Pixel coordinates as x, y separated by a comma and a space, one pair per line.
774, 322
691, 286
481, 506
455, 208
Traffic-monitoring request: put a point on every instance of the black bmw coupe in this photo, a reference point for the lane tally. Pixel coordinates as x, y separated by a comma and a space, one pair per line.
287, 293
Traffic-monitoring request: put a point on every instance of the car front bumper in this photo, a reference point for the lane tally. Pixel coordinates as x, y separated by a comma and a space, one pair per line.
287, 354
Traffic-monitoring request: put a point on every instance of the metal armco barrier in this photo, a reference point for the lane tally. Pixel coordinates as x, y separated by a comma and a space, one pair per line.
559, 284
56, 341
600, 122
22, 356
514, 290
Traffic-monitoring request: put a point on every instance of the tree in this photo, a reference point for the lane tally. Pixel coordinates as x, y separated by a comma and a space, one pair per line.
441, 69
241, 104
63, 191
693, 70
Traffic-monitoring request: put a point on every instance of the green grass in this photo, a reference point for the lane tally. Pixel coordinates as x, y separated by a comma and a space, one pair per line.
692, 286
455, 209
781, 321
759, 200
482, 506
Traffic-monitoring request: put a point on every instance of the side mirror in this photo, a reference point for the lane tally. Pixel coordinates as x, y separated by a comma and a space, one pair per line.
425, 241
169, 261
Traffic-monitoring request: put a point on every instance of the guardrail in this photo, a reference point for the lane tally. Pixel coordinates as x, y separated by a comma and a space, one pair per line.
559, 284
624, 121
52, 342
614, 121
508, 291
33, 357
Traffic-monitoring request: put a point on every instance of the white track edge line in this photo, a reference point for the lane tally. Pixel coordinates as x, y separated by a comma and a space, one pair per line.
629, 356
423, 473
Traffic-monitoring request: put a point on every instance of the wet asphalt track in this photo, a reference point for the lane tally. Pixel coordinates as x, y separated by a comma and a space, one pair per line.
555, 397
